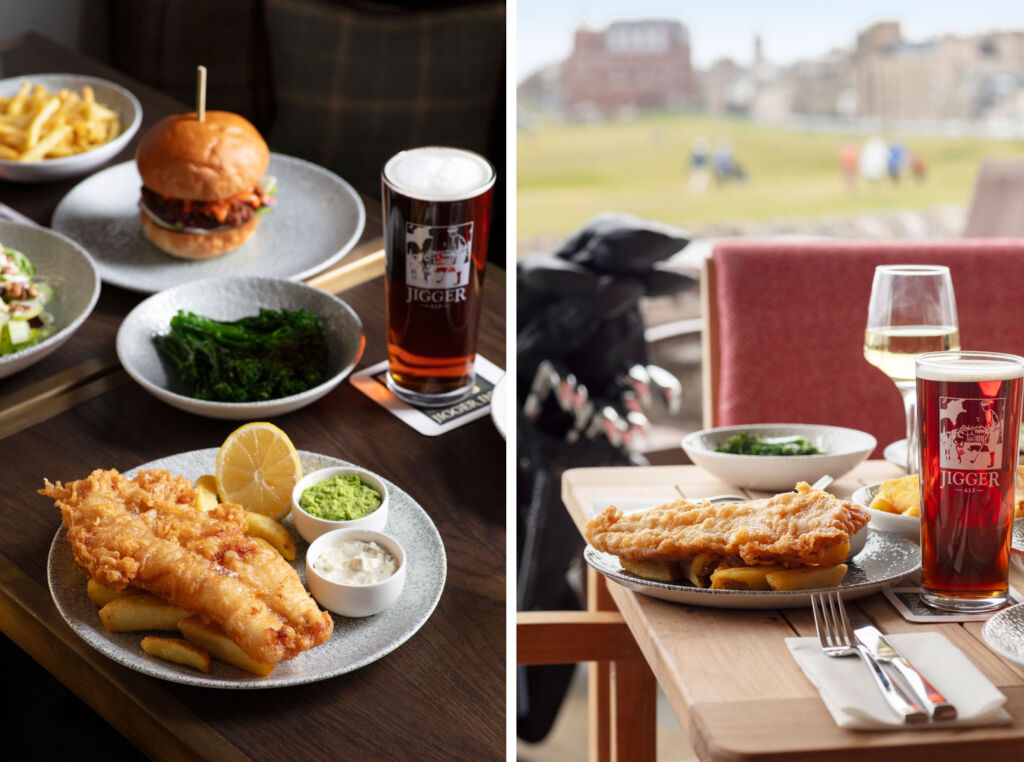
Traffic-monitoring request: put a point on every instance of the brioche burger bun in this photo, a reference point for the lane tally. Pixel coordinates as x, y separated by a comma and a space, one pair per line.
203, 184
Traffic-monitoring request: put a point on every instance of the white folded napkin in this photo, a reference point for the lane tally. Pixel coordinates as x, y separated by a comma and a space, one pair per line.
855, 702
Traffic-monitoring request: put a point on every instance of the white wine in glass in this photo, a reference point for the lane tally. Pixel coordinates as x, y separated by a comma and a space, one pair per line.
912, 310
892, 349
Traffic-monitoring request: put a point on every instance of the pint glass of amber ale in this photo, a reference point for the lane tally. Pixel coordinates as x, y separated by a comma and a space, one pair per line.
437, 210
969, 408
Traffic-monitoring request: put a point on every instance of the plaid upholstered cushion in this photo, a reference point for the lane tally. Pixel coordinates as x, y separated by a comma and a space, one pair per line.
162, 41
355, 87
792, 316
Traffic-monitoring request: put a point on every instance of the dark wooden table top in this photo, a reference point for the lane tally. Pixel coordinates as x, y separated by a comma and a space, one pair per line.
441, 695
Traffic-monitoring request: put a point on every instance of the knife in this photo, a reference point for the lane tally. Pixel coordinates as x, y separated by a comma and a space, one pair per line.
880, 647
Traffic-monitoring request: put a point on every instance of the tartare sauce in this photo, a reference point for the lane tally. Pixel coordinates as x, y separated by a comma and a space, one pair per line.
355, 562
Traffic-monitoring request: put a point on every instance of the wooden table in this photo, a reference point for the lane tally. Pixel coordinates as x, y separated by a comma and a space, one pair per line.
728, 674
441, 695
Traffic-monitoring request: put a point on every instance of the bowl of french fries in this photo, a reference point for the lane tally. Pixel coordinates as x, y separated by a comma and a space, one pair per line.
895, 505
54, 126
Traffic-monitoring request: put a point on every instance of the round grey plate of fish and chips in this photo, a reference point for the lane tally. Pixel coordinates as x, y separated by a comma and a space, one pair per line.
885, 560
354, 642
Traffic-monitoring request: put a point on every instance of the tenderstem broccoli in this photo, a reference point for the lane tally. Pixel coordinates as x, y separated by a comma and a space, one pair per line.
273, 354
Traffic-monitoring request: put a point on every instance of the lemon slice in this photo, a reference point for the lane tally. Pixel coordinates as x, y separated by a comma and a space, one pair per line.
257, 467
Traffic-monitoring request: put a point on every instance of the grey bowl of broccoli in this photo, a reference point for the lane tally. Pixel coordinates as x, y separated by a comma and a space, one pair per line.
240, 348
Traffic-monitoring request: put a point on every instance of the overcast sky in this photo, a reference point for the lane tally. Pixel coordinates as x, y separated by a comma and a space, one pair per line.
790, 29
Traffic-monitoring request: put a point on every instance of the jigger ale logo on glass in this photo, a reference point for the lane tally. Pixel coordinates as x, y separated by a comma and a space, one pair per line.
438, 262
971, 440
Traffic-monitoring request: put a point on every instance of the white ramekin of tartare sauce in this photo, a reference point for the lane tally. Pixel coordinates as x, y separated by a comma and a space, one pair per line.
355, 572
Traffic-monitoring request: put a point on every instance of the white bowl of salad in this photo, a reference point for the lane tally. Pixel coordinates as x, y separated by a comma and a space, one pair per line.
48, 287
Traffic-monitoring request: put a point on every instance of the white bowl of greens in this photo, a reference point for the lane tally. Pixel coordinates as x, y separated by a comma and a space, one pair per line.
775, 456
49, 286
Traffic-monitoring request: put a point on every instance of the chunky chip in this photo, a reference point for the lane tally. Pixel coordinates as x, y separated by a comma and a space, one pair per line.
130, 613
209, 636
177, 650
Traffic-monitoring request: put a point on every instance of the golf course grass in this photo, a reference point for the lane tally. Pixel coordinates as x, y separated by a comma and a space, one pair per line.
567, 173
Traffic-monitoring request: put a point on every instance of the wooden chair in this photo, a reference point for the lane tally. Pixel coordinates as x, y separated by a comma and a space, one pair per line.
997, 207
784, 326
621, 687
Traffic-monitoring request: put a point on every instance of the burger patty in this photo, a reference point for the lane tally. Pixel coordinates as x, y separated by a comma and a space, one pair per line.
190, 213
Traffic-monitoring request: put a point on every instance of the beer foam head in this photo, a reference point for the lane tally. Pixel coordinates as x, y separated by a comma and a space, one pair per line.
969, 366
436, 173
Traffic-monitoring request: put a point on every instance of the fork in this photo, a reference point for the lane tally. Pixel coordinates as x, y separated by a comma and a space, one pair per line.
822, 483
837, 639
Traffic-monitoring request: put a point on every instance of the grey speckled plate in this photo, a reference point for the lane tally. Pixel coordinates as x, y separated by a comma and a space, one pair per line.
355, 642
230, 299
318, 218
886, 559
1004, 633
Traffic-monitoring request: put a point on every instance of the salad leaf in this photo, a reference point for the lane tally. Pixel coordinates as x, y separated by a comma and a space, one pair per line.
748, 444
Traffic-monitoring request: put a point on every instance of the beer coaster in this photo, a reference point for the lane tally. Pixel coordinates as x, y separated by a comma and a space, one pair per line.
431, 421
907, 601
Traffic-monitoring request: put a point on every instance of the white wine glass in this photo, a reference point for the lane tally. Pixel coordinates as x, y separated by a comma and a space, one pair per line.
912, 310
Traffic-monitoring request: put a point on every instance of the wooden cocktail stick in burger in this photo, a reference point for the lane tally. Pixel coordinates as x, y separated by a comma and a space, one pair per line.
201, 93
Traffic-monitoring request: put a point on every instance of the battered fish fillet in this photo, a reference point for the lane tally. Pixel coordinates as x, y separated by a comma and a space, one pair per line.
147, 533
790, 528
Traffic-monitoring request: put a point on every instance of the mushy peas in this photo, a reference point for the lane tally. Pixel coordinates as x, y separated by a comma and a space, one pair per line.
340, 498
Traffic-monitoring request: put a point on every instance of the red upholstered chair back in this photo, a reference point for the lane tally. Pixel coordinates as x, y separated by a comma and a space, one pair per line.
784, 334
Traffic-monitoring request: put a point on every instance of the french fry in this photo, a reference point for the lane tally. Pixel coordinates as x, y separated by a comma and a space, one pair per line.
743, 577
699, 568
177, 650
882, 503
206, 492
220, 646
140, 612
807, 578
17, 103
273, 532
47, 144
898, 495
101, 595
37, 125
662, 571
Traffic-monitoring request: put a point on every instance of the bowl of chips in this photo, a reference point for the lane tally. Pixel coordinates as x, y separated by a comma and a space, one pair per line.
895, 505
54, 126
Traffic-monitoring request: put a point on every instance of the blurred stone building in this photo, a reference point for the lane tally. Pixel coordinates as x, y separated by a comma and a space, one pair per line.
642, 64
947, 78
631, 65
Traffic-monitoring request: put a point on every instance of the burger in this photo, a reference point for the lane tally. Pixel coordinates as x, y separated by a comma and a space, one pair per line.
203, 183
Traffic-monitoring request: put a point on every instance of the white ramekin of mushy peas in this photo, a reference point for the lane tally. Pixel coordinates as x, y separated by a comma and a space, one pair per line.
342, 497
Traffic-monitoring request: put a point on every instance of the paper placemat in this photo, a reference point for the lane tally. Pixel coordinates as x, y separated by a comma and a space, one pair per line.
907, 601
